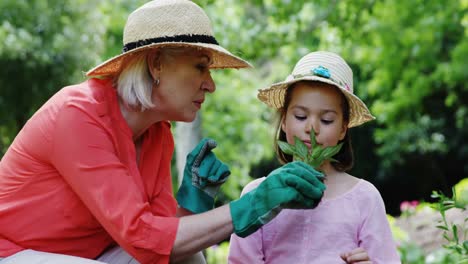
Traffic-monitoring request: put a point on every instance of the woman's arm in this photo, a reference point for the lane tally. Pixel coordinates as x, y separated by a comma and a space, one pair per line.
199, 231
183, 212
294, 184
248, 249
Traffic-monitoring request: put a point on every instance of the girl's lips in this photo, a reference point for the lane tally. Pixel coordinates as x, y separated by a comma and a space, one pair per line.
309, 145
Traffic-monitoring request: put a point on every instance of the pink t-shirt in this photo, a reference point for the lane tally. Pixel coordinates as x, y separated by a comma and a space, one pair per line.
70, 183
354, 219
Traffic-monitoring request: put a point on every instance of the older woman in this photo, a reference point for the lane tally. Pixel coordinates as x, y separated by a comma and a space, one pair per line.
87, 180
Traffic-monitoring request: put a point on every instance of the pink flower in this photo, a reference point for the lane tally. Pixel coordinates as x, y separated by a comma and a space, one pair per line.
408, 206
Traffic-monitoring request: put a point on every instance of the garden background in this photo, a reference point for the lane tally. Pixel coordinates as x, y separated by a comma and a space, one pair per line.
410, 63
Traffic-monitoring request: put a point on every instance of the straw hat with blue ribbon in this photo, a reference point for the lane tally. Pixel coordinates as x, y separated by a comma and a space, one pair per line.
168, 23
326, 67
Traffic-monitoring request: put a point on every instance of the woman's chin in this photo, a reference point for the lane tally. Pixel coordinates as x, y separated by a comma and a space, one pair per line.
187, 119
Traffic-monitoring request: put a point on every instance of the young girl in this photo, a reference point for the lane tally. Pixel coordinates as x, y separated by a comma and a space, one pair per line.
349, 225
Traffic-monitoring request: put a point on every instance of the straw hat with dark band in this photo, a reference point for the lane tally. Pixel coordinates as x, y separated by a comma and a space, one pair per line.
163, 23
322, 66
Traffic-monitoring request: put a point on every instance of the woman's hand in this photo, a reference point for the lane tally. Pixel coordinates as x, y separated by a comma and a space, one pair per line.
204, 174
295, 185
358, 255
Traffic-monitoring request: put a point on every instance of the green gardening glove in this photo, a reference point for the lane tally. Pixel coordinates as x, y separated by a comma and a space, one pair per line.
295, 185
203, 176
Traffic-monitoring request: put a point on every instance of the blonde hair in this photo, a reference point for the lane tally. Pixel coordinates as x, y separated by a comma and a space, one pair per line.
135, 84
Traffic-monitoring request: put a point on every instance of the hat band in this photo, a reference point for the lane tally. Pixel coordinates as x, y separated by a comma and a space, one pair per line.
342, 84
179, 38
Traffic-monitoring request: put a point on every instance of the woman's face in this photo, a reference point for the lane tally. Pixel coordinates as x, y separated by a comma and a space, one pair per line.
184, 79
317, 107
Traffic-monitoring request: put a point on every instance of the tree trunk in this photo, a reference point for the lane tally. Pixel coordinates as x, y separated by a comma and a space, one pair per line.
187, 136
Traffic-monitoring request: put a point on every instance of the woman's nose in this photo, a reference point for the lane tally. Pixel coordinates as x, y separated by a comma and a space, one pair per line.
208, 84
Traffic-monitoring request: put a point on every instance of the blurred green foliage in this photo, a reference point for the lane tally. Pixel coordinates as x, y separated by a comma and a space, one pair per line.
45, 45
217, 254
409, 59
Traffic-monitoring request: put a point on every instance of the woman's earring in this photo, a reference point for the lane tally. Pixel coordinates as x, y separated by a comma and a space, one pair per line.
156, 82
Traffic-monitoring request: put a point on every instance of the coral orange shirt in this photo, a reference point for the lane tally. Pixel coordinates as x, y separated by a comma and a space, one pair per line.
70, 183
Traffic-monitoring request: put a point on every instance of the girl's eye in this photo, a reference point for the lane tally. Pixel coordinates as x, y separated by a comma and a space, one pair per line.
327, 122
299, 117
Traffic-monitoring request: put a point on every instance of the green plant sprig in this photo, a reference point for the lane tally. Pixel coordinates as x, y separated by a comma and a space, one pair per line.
456, 244
315, 156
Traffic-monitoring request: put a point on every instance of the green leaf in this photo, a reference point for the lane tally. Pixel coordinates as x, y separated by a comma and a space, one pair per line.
286, 147
313, 142
459, 249
315, 157
448, 203
435, 195
455, 233
316, 151
331, 151
442, 227
301, 148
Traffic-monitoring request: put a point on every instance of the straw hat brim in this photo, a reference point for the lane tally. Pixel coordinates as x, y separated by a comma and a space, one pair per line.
274, 97
221, 58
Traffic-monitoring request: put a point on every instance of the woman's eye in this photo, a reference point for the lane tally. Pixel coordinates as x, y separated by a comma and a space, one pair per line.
202, 67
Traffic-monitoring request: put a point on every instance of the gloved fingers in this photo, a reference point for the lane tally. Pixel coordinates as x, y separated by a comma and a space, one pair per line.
206, 145
309, 203
297, 200
195, 151
218, 173
307, 173
309, 168
301, 202
303, 187
206, 164
211, 172
204, 170
224, 172
314, 180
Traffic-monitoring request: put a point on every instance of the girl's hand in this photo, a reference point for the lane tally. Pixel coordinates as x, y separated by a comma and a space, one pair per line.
358, 255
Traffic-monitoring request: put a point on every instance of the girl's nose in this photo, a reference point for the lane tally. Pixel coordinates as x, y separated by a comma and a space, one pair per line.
313, 125
208, 84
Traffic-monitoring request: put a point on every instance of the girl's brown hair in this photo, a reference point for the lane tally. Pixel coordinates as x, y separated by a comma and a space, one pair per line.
345, 157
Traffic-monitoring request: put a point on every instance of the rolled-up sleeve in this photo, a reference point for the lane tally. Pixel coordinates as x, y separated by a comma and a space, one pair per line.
86, 155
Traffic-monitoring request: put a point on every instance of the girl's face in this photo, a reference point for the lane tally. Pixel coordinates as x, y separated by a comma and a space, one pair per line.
183, 81
318, 107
